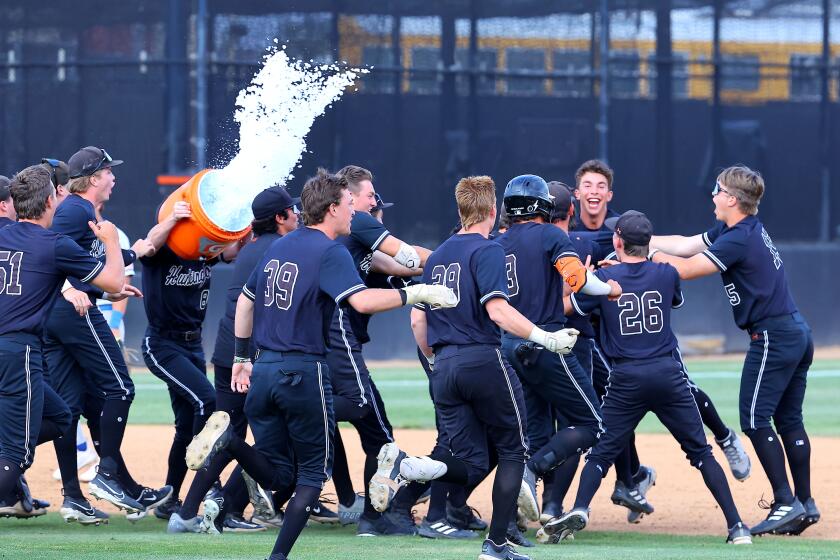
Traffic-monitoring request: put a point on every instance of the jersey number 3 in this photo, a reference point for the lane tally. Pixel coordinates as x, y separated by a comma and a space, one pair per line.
10, 273
640, 314
280, 284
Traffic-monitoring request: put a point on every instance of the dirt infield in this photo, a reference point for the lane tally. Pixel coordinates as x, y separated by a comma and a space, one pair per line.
683, 505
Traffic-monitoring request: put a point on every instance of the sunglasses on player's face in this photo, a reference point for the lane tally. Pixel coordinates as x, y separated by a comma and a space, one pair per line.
719, 189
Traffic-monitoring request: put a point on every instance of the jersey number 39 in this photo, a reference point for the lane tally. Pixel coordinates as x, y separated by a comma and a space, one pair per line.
640, 314
280, 284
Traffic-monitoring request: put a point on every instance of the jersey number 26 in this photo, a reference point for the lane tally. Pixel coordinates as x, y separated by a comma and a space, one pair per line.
640, 314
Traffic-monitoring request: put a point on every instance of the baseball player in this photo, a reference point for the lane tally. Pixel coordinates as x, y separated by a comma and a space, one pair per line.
34, 262
781, 348
80, 349
356, 398
476, 392
176, 293
637, 337
286, 305
539, 259
275, 215
594, 189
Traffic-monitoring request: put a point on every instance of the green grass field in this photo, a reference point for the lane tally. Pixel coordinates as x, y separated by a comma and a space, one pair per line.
406, 396
405, 393
50, 538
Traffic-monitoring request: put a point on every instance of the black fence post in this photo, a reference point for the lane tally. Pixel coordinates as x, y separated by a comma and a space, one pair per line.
177, 86
664, 102
825, 126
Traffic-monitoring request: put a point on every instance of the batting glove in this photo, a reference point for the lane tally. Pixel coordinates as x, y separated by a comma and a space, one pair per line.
560, 341
435, 295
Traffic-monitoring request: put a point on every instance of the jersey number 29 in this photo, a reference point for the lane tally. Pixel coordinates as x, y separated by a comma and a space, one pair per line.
640, 314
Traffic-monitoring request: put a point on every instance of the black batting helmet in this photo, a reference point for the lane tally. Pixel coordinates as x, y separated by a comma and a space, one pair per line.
527, 196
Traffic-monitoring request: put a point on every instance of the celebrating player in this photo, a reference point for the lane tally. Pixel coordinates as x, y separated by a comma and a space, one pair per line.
781, 348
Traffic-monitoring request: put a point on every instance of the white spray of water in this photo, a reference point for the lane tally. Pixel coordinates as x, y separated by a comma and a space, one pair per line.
275, 112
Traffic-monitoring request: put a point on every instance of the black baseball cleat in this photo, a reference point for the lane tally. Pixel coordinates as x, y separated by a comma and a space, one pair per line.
320, 513
739, 534
565, 526
631, 498
80, 510
812, 515
780, 516
210, 440
527, 499
235, 523
150, 498
466, 518
493, 551
387, 524
441, 529
516, 537
165, 511
108, 488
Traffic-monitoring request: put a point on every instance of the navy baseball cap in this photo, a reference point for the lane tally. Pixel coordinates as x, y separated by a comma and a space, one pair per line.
562, 200
5, 193
59, 172
380, 204
632, 226
272, 201
89, 160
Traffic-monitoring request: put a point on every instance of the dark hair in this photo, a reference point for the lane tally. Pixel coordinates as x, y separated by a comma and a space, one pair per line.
354, 175
319, 193
268, 225
30, 190
594, 166
636, 250
504, 219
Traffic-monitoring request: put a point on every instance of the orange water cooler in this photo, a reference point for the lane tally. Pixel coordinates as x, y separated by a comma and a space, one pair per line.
197, 236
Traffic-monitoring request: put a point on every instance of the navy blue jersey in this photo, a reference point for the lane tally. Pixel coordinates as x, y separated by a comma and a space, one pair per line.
638, 325
246, 261
584, 247
295, 288
71, 219
366, 235
474, 267
602, 236
752, 270
535, 287
4, 221
34, 263
175, 290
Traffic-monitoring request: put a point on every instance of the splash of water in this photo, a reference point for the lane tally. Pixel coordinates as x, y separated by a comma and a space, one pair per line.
275, 112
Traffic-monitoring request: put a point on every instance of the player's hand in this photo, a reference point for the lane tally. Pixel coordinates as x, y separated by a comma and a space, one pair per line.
105, 231
607, 263
181, 210
615, 289
127, 291
588, 264
240, 377
78, 299
143, 248
561, 341
435, 295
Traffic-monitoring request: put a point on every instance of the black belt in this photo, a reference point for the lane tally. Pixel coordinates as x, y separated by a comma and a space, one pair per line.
180, 336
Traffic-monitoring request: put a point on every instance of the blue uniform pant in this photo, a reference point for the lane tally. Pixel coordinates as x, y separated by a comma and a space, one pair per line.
21, 397
775, 374
290, 411
479, 397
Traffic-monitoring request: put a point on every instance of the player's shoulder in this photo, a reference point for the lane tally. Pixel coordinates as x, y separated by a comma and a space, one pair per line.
75, 204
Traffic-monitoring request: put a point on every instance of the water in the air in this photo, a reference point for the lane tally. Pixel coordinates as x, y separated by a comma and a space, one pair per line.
275, 112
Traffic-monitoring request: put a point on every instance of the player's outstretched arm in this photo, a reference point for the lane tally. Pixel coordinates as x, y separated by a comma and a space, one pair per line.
512, 321
678, 245
112, 276
374, 300
410, 256
243, 326
386, 264
688, 267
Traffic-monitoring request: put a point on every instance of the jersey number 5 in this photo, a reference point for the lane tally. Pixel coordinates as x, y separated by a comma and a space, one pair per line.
10, 273
280, 284
640, 314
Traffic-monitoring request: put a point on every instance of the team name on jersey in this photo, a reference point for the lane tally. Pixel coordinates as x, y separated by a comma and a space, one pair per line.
178, 277
777, 259
364, 266
97, 249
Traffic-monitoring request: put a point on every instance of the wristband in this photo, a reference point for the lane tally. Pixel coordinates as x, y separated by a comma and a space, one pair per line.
241, 349
115, 319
